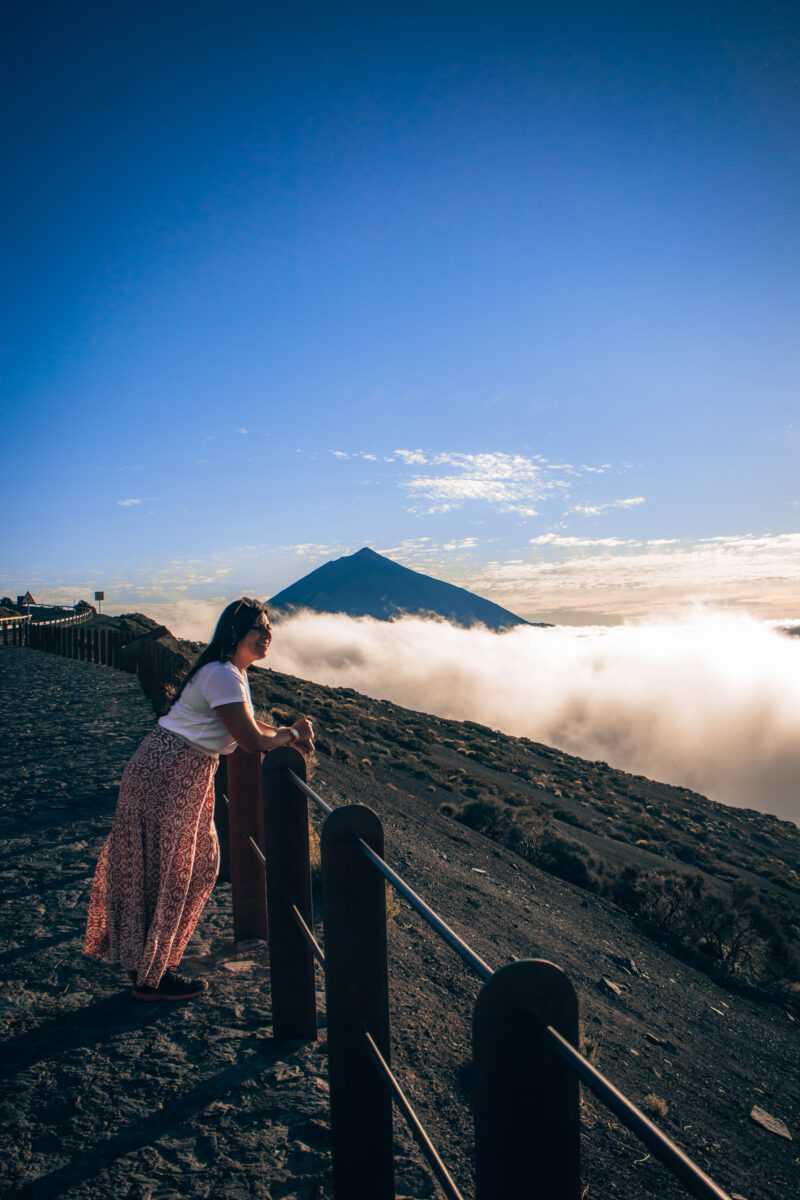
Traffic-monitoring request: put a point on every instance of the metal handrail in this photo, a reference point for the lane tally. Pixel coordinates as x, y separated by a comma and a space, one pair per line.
676, 1160
473, 960
259, 852
312, 795
693, 1178
415, 1125
316, 949
73, 620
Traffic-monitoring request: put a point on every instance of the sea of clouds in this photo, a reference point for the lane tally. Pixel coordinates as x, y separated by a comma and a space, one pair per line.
704, 699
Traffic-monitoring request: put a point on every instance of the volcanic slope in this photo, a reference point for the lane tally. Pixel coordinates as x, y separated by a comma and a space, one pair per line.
367, 584
688, 1039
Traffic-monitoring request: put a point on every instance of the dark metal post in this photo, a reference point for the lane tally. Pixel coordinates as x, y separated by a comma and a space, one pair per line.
357, 992
245, 821
294, 1006
527, 1121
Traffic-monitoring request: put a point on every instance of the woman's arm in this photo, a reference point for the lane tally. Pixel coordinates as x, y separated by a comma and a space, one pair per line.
252, 736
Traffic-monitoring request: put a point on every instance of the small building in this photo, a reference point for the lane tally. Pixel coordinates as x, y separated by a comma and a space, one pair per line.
24, 601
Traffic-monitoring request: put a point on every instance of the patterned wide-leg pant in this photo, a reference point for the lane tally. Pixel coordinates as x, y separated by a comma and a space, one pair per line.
158, 866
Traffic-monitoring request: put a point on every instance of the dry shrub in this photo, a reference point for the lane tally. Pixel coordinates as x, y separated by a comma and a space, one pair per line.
655, 1104
737, 933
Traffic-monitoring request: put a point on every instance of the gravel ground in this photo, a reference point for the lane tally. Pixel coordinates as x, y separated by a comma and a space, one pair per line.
101, 1096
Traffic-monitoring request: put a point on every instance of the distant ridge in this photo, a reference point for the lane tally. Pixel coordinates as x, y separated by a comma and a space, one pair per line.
367, 584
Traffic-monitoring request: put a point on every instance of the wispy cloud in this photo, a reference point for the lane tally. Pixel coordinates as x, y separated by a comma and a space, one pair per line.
242, 430
509, 482
562, 541
514, 484
315, 550
366, 455
131, 503
626, 577
594, 510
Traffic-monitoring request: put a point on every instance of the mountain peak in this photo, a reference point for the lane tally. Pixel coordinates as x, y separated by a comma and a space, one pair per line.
368, 584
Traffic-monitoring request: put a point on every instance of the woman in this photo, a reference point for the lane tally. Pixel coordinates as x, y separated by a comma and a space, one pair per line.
160, 861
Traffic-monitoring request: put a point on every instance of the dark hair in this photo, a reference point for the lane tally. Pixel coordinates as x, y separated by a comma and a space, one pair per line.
234, 623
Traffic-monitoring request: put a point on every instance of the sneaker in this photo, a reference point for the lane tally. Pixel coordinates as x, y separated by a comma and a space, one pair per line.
171, 987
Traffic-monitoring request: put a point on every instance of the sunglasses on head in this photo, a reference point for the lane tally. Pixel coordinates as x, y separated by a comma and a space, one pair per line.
246, 602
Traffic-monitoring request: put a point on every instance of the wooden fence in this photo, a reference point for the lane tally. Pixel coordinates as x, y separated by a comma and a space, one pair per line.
527, 1061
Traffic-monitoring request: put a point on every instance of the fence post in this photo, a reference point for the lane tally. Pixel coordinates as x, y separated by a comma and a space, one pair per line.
246, 820
221, 819
356, 984
293, 986
527, 1120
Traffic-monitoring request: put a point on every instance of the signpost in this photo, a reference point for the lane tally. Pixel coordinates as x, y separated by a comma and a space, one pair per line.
99, 596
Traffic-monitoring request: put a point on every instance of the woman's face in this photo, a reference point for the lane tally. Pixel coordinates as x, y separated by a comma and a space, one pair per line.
257, 639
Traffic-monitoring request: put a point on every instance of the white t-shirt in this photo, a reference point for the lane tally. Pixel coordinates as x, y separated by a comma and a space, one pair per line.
193, 716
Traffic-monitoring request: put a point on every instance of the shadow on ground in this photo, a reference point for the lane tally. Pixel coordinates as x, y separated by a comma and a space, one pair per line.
99, 1157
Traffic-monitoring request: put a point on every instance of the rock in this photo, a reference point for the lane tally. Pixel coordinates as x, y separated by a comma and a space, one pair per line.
771, 1124
240, 966
609, 986
625, 964
665, 1043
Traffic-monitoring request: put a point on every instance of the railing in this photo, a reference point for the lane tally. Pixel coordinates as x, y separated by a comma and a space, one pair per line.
14, 630
68, 637
527, 1064
19, 631
154, 663
525, 1022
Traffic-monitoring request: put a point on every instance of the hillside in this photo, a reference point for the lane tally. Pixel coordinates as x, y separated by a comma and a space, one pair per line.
676, 1026
367, 584
695, 1045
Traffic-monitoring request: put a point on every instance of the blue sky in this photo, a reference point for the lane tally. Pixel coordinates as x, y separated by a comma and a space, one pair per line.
510, 293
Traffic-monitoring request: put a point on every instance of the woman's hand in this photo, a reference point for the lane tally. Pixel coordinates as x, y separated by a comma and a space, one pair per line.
305, 732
